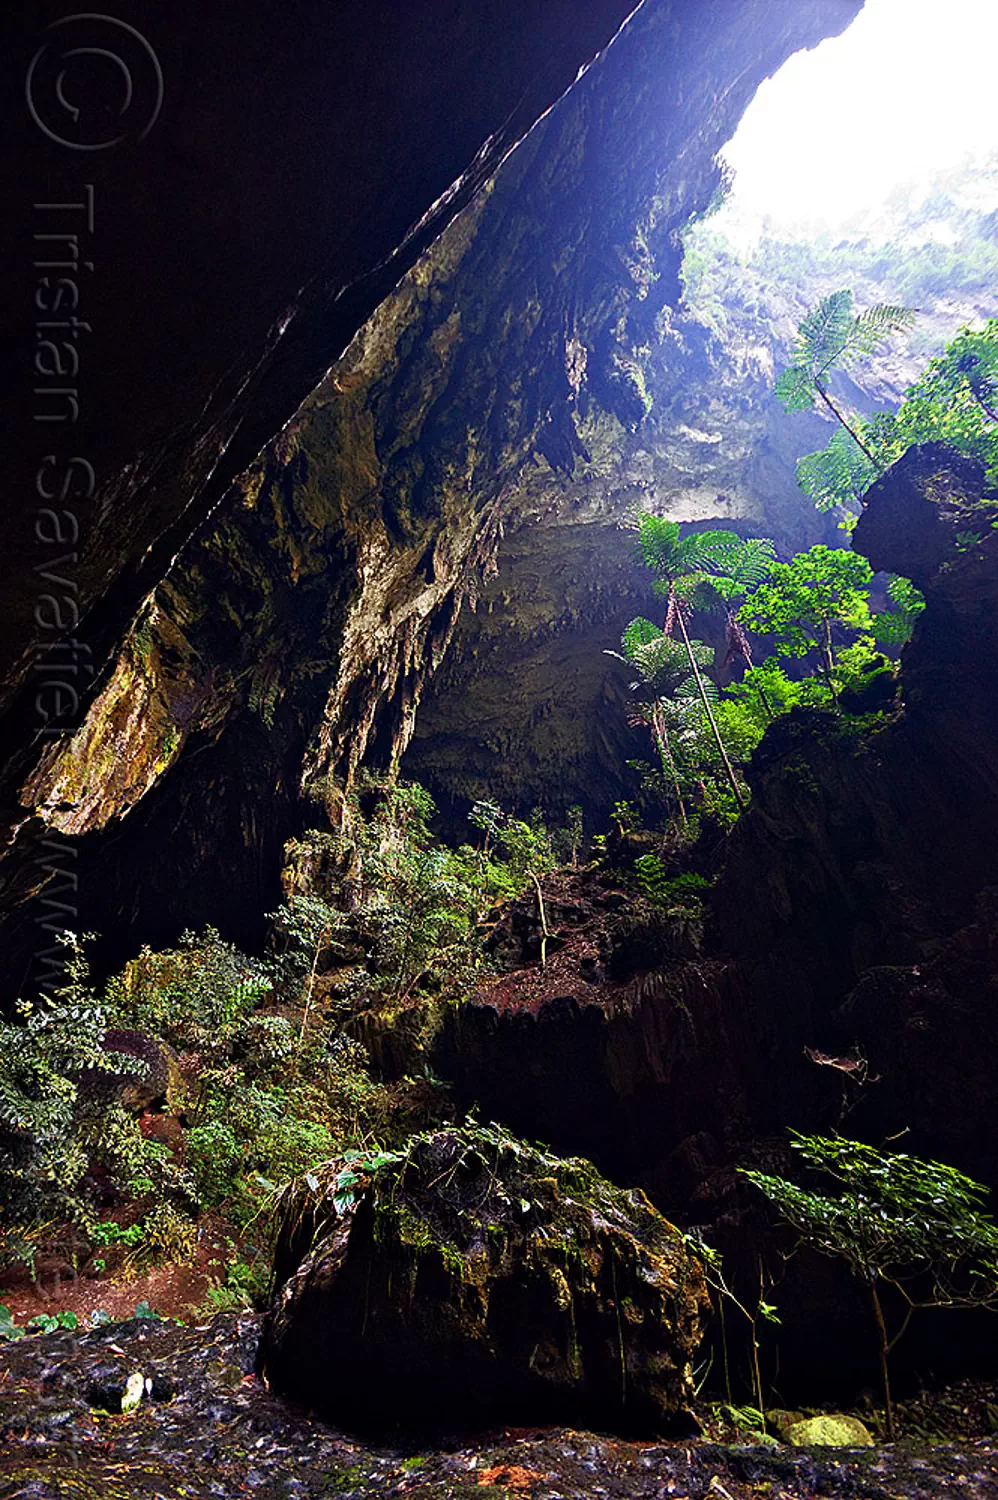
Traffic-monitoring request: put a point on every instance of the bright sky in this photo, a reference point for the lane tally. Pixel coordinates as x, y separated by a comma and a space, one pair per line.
910, 87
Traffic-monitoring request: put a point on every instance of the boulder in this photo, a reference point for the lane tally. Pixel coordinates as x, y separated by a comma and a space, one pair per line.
471, 1279
832, 1430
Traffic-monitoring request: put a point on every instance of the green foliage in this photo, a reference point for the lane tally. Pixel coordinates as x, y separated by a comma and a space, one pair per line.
738, 566
955, 402
689, 566
194, 996
214, 1155
839, 474
567, 842
893, 627
833, 337
244, 1285
107, 1232
892, 1216
8, 1328
42, 1057
651, 877
699, 568
702, 734
922, 251
60, 1321
662, 664
806, 597
380, 919
417, 904
304, 931
765, 692
53, 1322
135, 1167
893, 1219
676, 891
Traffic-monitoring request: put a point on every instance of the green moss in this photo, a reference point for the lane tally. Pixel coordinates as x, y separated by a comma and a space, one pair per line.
483, 1206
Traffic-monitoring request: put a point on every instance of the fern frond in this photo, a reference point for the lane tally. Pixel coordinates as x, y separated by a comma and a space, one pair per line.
824, 333
832, 335
903, 593
874, 327
639, 632
894, 627
838, 474
657, 542
661, 660
795, 389
744, 564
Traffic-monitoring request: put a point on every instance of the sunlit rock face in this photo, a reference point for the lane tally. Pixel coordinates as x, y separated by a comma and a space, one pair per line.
502, 385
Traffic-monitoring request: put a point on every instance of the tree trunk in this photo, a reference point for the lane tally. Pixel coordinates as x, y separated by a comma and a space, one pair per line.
878, 1314
851, 431
707, 709
828, 660
668, 763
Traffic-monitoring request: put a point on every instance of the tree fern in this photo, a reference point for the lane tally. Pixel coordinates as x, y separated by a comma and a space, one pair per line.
663, 663
831, 337
839, 474
683, 565
955, 401
822, 338
738, 566
640, 632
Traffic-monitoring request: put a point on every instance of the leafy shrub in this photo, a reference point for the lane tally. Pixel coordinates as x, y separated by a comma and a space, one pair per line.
244, 1285
193, 996
649, 872
169, 1236
213, 1154
677, 890
42, 1056
891, 1218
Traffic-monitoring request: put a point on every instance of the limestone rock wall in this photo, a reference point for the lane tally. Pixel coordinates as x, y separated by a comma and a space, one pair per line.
494, 387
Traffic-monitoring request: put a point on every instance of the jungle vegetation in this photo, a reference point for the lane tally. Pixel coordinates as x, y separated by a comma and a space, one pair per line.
261, 1058
917, 1227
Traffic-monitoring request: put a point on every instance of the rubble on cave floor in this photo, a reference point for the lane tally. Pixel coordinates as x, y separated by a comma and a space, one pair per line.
207, 1426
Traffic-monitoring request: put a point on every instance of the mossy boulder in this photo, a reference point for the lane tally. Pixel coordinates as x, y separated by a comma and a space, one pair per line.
779, 1419
472, 1279
832, 1430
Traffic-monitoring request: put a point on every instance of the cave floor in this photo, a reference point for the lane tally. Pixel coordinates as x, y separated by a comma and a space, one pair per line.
208, 1426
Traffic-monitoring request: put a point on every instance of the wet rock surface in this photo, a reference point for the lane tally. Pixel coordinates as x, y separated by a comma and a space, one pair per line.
475, 1279
210, 1430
